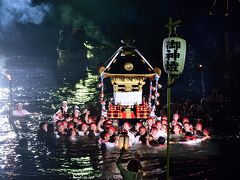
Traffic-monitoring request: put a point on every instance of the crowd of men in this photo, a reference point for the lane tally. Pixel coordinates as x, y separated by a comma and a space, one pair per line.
188, 123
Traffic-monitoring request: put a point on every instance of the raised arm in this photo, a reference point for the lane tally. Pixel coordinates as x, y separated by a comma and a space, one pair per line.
119, 164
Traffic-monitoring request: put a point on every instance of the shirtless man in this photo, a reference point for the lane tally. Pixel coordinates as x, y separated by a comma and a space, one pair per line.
62, 113
20, 112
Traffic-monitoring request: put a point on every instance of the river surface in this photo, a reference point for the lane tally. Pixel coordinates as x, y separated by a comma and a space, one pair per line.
42, 83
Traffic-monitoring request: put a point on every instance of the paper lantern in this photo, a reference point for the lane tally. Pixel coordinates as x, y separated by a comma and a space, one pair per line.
174, 52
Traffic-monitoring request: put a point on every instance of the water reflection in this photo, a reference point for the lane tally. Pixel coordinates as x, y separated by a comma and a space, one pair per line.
4, 99
83, 158
7, 148
84, 90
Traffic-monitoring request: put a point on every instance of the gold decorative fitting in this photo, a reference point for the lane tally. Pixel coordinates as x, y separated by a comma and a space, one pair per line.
128, 88
101, 69
157, 71
128, 53
106, 75
127, 84
128, 66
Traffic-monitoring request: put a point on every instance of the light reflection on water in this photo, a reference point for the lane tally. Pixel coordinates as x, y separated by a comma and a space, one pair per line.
84, 90
4, 97
7, 146
84, 159
81, 159
41, 160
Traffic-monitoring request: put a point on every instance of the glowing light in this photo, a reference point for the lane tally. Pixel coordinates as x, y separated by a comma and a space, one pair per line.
227, 7
88, 45
86, 169
191, 142
4, 98
214, 7
7, 136
85, 90
99, 85
9, 77
90, 54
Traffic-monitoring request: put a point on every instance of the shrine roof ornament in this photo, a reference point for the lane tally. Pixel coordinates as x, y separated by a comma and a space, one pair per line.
127, 61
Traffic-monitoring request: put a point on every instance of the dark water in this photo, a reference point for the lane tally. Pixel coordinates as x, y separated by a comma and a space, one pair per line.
41, 82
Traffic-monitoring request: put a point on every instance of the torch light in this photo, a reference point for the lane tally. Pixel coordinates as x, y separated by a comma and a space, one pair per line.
9, 77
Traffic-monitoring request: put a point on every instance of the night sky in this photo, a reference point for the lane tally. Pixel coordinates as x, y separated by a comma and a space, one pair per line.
31, 27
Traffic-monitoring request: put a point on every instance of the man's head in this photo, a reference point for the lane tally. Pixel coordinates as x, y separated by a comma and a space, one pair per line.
133, 165
64, 103
19, 106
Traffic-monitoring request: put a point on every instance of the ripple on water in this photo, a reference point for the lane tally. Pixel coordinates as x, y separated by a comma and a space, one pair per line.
84, 159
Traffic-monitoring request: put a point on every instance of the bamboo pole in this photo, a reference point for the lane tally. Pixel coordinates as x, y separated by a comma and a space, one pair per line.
169, 117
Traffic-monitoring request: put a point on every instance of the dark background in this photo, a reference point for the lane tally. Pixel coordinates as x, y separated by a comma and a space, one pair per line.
211, 31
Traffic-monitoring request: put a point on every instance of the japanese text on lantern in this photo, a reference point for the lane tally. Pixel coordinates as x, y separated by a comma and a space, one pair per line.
172, 55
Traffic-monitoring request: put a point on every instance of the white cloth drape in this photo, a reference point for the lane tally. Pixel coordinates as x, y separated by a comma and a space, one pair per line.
128, 98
